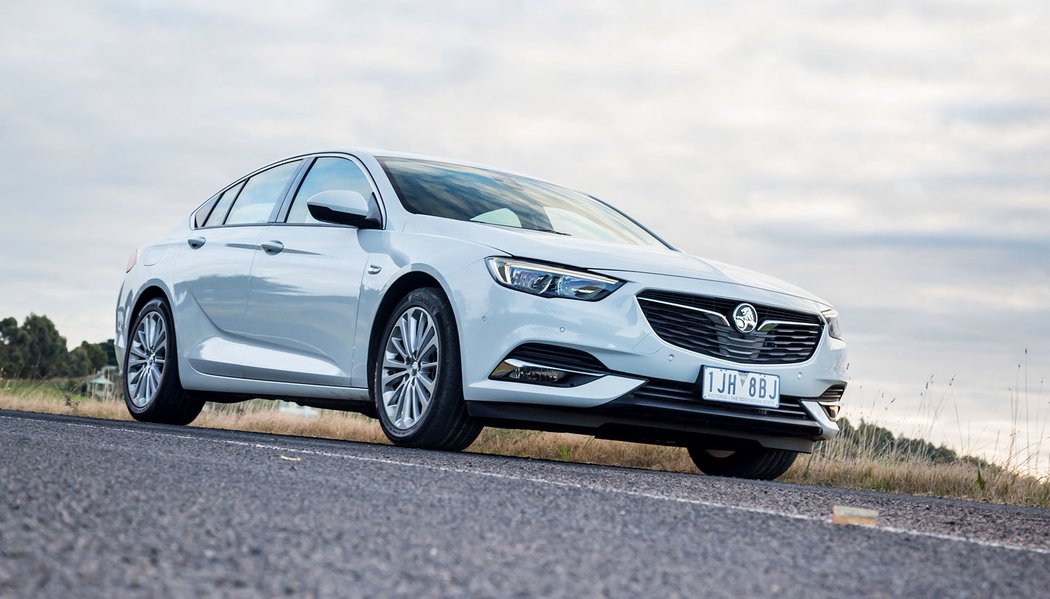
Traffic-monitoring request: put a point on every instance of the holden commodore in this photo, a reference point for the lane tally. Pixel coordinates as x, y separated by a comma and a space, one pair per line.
441, 296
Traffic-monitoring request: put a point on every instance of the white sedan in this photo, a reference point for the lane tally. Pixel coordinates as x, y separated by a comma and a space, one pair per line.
441, 297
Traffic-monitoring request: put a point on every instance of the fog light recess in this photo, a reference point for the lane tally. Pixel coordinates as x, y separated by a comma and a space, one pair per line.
519, 371
832, 410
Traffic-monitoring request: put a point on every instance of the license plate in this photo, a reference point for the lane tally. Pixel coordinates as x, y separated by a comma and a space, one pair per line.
745, 388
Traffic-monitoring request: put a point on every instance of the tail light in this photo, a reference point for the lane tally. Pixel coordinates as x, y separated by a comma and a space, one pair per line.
132, 259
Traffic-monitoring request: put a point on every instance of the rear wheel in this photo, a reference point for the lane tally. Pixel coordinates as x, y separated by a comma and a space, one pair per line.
417, 381
152, 391
753, 462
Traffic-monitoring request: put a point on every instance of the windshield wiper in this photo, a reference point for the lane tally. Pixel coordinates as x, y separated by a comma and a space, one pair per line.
520, 228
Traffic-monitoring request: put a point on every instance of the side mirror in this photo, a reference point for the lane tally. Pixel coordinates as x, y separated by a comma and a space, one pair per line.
340, 206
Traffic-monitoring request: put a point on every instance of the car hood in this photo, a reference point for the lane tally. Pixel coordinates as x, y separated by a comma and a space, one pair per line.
617, 260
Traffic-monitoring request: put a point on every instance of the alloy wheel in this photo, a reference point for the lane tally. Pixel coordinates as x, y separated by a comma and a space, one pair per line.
148, 354
410, 367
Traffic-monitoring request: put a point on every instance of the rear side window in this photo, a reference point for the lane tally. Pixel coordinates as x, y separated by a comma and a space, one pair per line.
218, 214
201, 215
260, 194
327, 174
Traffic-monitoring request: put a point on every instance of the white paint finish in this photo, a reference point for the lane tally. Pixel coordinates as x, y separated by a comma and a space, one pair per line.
299, 321
303, 304
496, 320
210, 285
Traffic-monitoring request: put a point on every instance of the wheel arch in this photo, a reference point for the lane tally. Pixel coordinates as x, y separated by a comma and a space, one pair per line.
402, 286
151, 290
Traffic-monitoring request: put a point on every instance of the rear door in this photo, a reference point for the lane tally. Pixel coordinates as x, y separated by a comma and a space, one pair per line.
306, 283
212, 275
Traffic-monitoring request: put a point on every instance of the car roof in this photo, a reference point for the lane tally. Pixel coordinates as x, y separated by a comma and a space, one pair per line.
384, 153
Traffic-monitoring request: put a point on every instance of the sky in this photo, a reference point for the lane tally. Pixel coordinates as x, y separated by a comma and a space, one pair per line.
891, 157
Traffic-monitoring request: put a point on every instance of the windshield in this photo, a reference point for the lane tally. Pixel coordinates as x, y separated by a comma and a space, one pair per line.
483, 196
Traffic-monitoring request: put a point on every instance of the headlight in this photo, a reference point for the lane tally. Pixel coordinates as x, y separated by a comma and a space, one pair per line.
832, 318
550, 281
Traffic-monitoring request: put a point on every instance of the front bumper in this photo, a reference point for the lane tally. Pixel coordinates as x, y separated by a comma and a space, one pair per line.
648, 420
494, 320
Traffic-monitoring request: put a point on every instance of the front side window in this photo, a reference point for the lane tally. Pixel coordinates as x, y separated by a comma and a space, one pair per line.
260, 194
327, 174
475, 194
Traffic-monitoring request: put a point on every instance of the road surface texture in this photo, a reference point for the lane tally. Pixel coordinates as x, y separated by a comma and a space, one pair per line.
103, 508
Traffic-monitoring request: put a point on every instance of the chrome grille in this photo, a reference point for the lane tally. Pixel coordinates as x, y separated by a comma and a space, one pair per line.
701, 324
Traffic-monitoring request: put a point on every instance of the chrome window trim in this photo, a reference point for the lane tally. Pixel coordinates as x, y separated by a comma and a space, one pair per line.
279, 202
285, 200
286, 205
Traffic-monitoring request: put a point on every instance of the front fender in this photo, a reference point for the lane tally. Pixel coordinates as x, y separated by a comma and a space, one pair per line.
396, 254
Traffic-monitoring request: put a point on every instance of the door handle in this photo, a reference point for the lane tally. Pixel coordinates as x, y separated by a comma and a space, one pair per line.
272, 247
196, 242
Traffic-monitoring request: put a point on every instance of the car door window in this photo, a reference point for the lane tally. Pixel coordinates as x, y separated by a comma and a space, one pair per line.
261, 192
200, 216
327, 173
218, 214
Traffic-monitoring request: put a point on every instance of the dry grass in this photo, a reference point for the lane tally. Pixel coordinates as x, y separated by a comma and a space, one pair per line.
959, 480
835, 465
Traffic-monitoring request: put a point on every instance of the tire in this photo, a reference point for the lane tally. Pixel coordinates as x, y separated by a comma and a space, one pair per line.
411, 414
152, 390
757, 463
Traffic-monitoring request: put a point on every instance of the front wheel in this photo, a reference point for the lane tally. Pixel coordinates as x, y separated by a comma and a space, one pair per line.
753, 462
152, 391
417, 380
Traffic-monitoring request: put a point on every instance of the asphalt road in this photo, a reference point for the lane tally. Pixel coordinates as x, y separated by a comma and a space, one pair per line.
101, 508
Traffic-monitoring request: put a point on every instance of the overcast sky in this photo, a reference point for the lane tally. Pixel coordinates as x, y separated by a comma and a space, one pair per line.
892, 157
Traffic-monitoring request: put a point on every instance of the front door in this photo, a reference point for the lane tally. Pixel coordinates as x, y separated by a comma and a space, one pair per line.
305, 286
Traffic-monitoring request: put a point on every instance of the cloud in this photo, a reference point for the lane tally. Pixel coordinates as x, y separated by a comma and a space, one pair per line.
891, 156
